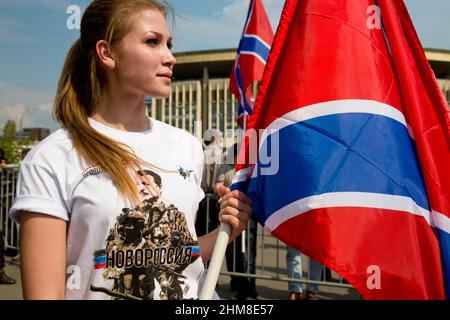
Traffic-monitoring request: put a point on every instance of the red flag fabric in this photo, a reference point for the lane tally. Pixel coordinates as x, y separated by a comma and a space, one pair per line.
426, 111
251, 57
341, 179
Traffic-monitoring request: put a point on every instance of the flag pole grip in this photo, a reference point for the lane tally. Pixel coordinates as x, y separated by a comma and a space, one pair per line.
215, 264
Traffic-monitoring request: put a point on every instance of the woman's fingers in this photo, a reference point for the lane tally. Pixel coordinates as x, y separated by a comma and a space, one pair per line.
233, 213
238, 223
235, 209
237, 204
237, 195
222, 190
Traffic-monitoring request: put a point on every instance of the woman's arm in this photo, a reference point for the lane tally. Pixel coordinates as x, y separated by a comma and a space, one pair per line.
206, 244
42, 256
235, 209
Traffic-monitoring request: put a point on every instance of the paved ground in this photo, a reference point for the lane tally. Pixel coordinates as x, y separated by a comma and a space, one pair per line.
12, 292
271, 262
271, 254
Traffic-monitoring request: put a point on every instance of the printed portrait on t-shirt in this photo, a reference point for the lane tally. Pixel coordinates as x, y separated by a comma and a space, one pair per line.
148, 248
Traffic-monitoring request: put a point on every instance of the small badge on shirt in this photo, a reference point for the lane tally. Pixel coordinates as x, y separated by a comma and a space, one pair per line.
92, 171
185, 173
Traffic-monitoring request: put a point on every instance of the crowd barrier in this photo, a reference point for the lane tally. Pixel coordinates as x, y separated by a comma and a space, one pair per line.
8, 179
270, 262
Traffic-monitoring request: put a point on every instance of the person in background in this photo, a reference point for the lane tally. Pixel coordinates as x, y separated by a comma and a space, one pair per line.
208, 212
4, 278
238, 261
294, 271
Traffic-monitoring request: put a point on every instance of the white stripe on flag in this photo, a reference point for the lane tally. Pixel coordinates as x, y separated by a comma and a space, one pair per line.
247, 35
330, 108
440, 221
347, 199
243, 174
253, 53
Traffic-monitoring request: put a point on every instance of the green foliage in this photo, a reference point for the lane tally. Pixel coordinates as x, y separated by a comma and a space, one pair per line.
7, 142
13, 146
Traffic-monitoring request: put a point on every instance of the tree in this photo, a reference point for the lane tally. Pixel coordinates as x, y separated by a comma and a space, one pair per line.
7, 142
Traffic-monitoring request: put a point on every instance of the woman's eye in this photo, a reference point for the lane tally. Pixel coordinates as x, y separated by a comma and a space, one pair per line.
152, 42
170, 46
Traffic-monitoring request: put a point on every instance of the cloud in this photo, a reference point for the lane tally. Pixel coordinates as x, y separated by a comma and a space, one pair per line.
17, 31
47, 107
10, 32
11, 112
197, 33
222, 29
32, 108
235, 11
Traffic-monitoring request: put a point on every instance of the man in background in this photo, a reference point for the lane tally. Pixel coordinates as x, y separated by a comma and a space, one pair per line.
208, 211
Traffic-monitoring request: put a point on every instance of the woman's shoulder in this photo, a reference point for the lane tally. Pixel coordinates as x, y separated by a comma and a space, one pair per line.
55, 148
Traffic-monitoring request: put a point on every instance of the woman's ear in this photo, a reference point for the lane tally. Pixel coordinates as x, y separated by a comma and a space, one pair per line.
104, 55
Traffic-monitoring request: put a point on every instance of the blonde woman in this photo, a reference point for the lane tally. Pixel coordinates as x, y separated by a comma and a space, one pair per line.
107, 203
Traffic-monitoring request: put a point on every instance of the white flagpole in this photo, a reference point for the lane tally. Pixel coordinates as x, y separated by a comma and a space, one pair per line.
244, 123
215, 264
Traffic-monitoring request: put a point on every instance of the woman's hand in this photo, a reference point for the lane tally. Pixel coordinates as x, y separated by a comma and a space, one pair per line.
235, 209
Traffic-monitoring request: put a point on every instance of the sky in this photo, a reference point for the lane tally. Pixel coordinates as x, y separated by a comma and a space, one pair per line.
36, 34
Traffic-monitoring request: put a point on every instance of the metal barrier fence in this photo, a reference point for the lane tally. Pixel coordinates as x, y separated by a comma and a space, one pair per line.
8, 178
270, 262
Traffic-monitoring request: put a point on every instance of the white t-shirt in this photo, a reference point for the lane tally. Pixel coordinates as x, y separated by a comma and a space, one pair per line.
149, 251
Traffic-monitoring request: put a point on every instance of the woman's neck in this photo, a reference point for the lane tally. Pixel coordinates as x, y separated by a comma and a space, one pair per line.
125, 113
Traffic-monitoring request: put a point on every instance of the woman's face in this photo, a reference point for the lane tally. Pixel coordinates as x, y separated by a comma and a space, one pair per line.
144, 57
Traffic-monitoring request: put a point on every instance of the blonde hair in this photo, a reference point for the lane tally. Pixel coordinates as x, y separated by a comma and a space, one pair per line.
79, 89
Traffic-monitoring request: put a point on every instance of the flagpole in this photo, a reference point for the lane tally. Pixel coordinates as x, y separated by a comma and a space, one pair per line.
256, 20
219, 252
216, 262
244, 127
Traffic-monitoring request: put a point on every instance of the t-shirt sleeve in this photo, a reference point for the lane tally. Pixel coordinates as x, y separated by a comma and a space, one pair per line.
38, 190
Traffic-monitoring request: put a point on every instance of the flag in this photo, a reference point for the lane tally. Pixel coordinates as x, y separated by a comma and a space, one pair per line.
99, 259
352, 140
194, 250
251, 57
428, 116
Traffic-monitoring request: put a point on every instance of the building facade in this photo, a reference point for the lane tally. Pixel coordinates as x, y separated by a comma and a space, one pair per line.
200, 98
35, 134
